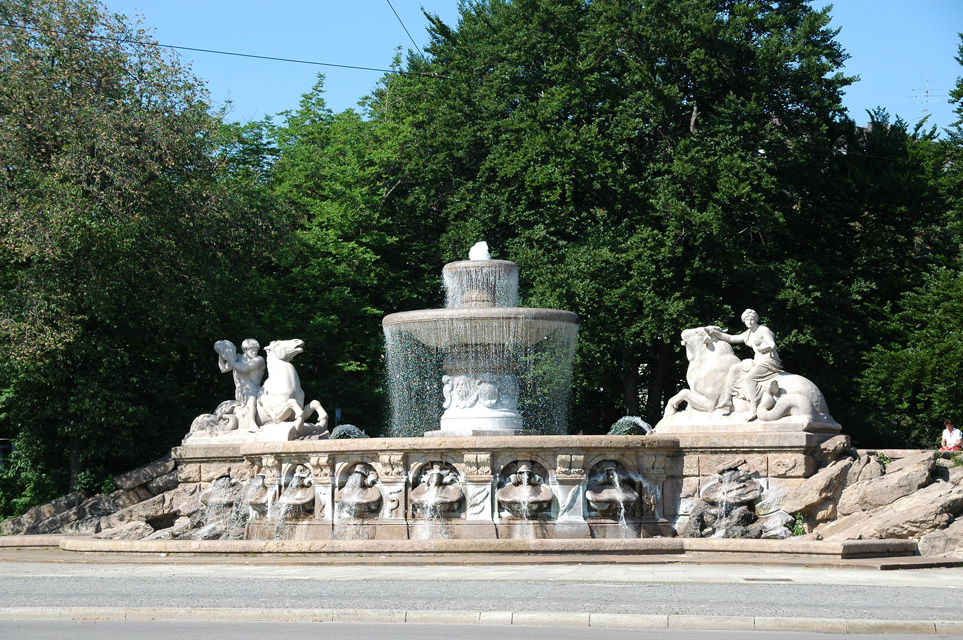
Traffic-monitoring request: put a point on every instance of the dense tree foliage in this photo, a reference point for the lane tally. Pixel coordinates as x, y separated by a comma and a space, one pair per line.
912, 378
650, 165
647, 164
122, 243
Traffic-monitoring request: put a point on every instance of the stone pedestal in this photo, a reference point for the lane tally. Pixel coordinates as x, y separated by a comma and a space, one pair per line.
667, 472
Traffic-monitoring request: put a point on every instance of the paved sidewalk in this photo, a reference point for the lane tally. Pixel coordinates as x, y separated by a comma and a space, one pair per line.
52, 584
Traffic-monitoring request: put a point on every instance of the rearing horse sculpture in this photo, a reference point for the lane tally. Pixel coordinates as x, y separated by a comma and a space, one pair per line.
281, 398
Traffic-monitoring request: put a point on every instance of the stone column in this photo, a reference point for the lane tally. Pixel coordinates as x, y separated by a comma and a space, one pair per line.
392, 522
479, 515
652, 482
570, 492
322, 469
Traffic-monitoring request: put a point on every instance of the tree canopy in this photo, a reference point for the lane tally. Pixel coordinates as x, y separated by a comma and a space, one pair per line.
121, 242
650, 165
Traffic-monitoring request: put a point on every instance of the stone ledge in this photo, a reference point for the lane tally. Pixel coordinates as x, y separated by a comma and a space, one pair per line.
527, 618
769, 550
555, 444
31, 541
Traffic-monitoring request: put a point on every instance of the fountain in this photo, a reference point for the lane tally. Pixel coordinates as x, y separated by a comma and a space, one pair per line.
482, 365
612, 497
489, 381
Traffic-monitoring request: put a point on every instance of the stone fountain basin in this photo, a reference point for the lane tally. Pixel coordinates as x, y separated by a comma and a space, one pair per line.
300, 498
358, 509
525, 509
608, 500
439, 507
439, 328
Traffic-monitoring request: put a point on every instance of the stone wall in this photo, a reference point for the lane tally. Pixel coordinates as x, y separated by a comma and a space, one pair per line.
837, 493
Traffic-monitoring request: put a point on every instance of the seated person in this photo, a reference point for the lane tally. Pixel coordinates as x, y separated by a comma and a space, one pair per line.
952, 438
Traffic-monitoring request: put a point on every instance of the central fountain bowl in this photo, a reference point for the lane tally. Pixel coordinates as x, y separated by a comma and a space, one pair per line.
482, 365
448, 328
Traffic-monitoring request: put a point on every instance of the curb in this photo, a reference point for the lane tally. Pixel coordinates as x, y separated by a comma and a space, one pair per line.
712, 547
517, 618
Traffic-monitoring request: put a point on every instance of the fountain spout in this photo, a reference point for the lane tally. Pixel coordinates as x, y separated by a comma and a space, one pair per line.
360, 496
437, 494
610, 492
525, 494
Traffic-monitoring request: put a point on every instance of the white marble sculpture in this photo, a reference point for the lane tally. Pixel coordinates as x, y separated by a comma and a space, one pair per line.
248, 369
729, 394
272, 411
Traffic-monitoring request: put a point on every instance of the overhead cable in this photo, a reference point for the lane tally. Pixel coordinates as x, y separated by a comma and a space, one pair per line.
405, 28
227, 53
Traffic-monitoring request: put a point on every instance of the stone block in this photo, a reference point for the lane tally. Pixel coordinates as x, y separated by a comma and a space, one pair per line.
912, 516
674, 466
946, 543
711, 464
163, 483
672, 495
129, 531
690, 466
369, 615
41, 512
188, 473
811, 625
908, 627
869, 494
791, 465
140, 512
442, 617
831, 449
184, 500
550, 618
865, 467
82, 518
500, 618
144, 474
825, 510
926, 460
211, 471
628, 621
805, 497
713, 623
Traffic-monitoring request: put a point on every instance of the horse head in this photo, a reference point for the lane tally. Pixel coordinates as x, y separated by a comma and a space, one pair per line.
285, 349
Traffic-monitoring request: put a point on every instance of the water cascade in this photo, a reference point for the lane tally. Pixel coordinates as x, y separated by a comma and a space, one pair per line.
482, 365
435, 501
611, 495
726, 506
358, 501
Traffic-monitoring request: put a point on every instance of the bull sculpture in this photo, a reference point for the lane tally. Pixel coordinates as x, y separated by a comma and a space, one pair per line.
712, 396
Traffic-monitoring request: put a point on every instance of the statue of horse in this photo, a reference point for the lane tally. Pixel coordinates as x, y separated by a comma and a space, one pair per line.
281, 398
713, 368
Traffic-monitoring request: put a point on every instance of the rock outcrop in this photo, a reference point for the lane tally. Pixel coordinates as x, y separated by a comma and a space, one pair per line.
149, 495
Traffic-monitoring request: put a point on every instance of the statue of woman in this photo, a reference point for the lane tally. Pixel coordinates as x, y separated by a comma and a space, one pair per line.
764, 365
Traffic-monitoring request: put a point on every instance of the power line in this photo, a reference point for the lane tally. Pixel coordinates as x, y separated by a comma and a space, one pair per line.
228, 53
405, 28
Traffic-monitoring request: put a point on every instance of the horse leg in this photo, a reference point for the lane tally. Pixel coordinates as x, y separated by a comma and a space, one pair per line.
695, 400
312, 407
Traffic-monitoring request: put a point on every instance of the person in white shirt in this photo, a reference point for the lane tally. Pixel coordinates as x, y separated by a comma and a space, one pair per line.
952, 438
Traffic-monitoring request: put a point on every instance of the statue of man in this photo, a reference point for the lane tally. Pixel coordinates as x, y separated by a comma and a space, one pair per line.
248, 371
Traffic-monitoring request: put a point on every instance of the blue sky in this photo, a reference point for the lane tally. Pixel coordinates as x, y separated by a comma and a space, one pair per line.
903, 50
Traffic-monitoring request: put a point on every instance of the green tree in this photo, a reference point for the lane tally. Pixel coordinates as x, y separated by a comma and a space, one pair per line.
121, 241
329, 286
649, 165
911, 381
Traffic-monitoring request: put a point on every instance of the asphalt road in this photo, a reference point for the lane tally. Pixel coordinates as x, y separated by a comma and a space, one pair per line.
164, 630
694, 590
